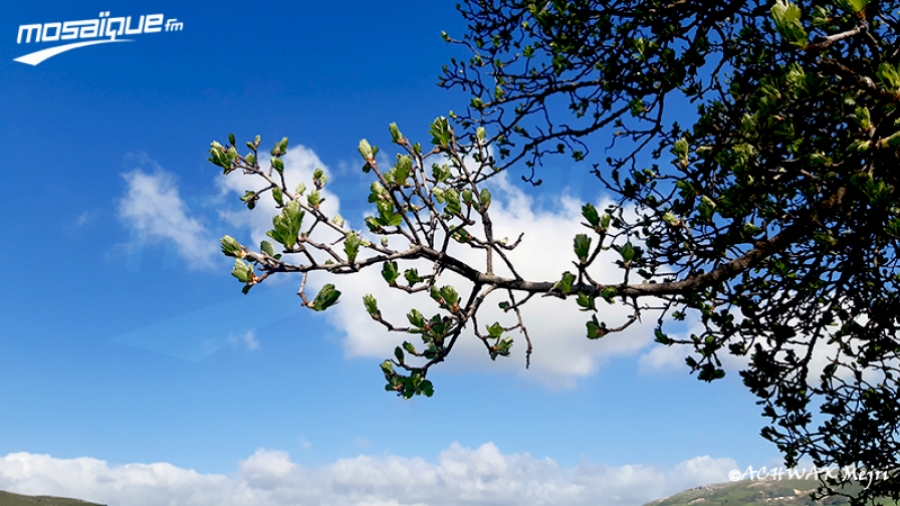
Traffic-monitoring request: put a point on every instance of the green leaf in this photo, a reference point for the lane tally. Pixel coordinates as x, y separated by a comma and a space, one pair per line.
855, 6
671, 219
494, 330
819, 158
412, 276
222, 157
441, 173
582, 247
502, 348
377, 192
893, 228
637, 107
266, 247
231, 139
595, 328
287, 224
859, 146
709, 372
893, 140
415, 318
319, 178
371, 306
627, 252
863, 118
352, 242
276, 194
385, 208
242, 271
390, 273
604, 221
787, 21
484, 198
395, 133
402, 169
590, 214
681, 149
373, 225
426, 388
231, 248
586, 302
365, 150
565, 284
707, 207
394, 220
250, 199
453, 204
467, 197
661, 338
462, 236
889, 76
278, 165
440, 132
451, 298
398, 353
314, 199
608, 293
326, 298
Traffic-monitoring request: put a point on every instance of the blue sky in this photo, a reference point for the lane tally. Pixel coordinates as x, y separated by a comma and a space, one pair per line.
132, 370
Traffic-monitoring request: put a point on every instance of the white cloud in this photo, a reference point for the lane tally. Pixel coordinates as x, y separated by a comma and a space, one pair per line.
85, 217
671, 358
248, 341
482, 476
664, 358
268, 469
154, 210
299, 164
661, 358
562, 351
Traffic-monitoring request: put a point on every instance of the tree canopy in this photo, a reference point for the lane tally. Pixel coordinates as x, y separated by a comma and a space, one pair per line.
752, 148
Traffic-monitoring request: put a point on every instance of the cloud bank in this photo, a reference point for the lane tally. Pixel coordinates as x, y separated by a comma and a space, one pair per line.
461, 476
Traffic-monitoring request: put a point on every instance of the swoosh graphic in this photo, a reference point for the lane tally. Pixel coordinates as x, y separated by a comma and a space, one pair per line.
39, 56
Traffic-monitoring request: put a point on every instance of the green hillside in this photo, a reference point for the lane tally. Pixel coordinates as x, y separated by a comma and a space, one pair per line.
768, 492
9, 499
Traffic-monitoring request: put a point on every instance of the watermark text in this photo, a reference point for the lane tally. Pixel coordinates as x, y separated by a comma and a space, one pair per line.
863, 476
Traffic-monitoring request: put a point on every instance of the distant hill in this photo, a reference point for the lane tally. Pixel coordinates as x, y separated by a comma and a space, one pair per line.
767, 492
10, 499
